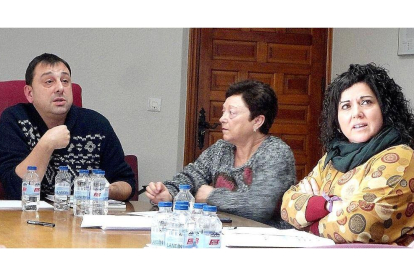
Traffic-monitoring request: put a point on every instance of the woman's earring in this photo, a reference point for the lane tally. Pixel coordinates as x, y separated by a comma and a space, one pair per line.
254, 129
339, 130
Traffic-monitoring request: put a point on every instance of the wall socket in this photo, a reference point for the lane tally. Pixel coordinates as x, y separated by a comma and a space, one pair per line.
154, 105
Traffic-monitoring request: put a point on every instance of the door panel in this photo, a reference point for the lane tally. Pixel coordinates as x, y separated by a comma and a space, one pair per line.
292, 61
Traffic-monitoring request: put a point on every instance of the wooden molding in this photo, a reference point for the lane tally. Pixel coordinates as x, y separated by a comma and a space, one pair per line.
329, 56
192, 88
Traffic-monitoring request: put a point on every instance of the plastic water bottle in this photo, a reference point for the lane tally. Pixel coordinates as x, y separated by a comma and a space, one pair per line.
197, 210
210, 228
185, 195
189, 227
31, 190
190, 233
81, 192
159, 224
99, 194
176, 232
196, 214
63, 183
93, 173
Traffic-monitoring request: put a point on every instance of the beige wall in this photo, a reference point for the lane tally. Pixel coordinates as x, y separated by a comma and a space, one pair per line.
119, 69
379, 45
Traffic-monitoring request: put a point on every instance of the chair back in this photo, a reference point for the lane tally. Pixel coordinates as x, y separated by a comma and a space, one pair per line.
132, 161
12, 92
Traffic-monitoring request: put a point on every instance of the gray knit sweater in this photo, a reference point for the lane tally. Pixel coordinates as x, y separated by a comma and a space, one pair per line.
254, 190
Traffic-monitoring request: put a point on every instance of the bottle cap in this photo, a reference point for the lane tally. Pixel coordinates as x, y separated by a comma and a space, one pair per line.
210, 208
182, 203
95, 171
199, 205
31, 168
181, 207
63, 168
164, 204
184, 187
100, 172
83, 171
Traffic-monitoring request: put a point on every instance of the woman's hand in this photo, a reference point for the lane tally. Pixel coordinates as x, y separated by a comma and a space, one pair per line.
308, 185
203, 192
156, 192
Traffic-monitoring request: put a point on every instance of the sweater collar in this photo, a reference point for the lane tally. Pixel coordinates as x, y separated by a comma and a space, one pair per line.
69, 121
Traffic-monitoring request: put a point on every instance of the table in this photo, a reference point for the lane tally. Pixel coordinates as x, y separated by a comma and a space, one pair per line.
16, 233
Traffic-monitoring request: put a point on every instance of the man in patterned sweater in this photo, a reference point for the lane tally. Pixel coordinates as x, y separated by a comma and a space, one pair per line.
49, 132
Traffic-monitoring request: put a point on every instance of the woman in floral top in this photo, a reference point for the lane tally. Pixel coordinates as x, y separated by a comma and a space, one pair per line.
362, 188
248, 171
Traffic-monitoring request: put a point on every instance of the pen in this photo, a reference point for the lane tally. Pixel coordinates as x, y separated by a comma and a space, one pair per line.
42, 223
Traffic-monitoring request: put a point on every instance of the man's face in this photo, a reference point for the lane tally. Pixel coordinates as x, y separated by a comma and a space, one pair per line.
51, 90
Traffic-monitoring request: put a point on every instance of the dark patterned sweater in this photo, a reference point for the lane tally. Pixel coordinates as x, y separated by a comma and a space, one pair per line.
254, 190
93, 144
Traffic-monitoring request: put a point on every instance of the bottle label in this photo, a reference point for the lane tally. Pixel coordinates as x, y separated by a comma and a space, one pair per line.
157, 238
189, 240
173, 241
99, 195
31, 190
81, 194
62, 190
210, 240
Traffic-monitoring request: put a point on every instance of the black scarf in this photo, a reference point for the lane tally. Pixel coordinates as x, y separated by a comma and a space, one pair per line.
345, 155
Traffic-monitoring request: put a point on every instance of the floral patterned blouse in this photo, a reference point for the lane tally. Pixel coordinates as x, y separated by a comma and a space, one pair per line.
376, 206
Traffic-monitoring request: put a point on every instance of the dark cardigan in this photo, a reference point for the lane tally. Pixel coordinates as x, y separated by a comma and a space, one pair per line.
93, 144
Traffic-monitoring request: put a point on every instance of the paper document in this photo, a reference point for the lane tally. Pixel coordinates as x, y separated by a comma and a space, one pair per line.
112, 204
111, 222
270, 237
149, 214
17, 205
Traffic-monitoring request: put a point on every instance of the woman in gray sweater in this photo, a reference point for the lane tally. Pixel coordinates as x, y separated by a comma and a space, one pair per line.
247, 172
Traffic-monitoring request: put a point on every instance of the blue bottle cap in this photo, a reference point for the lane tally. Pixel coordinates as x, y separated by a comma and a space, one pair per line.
210, 208
164, 204
181, 207
182, 202
83, 171
63, 168
199, 205
95, 170
184, 187
31, 168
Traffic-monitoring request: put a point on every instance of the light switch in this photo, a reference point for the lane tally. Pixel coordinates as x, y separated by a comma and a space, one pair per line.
154, 104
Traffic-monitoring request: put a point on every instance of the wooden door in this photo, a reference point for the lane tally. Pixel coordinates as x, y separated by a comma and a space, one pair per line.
292, 61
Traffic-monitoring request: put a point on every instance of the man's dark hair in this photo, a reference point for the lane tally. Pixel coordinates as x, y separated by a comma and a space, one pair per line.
45, 59
260, 98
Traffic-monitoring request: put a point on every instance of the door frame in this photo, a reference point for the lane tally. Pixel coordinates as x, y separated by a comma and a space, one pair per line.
192, 88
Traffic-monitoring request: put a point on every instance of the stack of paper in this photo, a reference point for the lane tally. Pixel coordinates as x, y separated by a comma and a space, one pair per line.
270, 237
112, 204
17, 205
111, 222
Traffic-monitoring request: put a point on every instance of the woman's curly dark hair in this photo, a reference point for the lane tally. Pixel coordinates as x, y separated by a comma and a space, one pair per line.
395, 107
